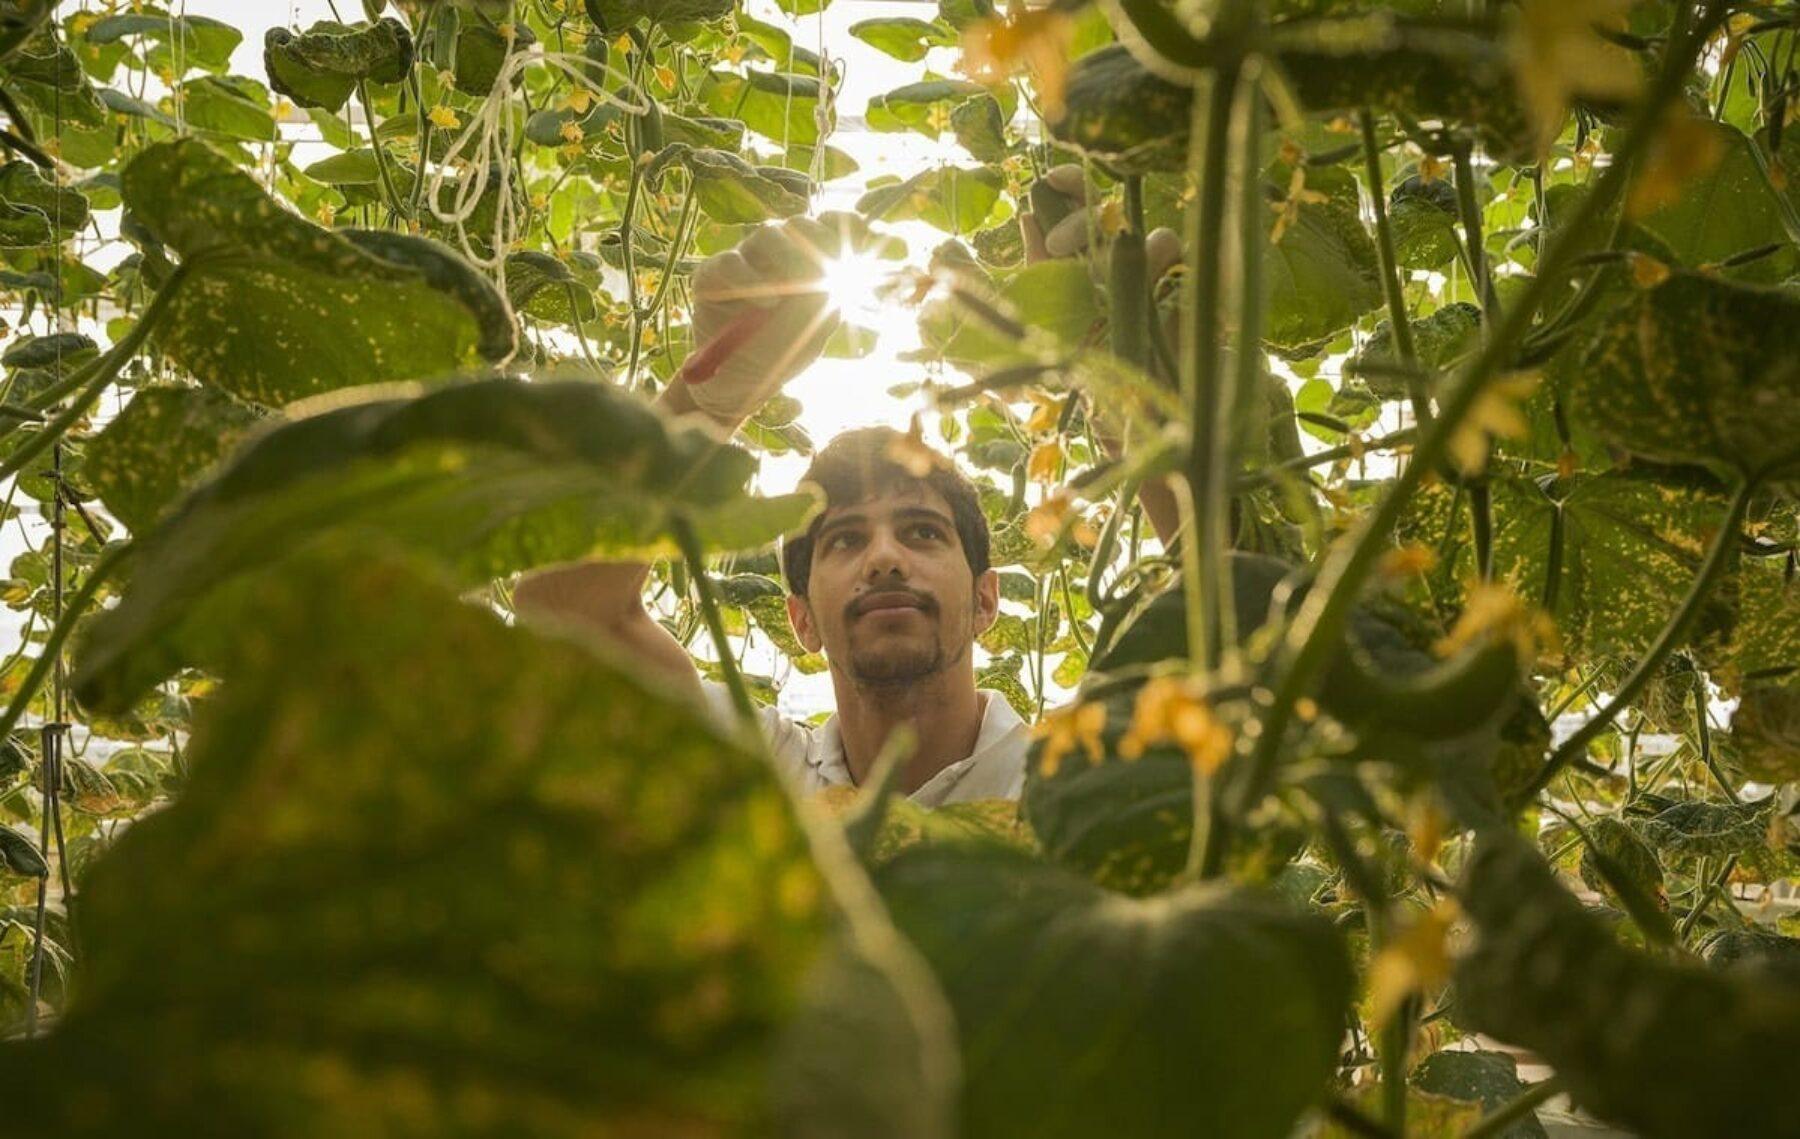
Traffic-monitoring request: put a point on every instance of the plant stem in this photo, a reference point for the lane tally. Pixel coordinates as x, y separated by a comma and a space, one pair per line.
1723, 543
695, 557
1514, 1109
103, 567
1203, 552
387, 182
1390, 273
1312, 637
1703, 736
106, 369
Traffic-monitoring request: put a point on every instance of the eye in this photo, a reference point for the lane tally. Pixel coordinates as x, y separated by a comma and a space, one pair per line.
928, 531
840, 540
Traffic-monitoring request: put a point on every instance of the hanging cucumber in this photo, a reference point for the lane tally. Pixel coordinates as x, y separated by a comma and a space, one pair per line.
1130, 297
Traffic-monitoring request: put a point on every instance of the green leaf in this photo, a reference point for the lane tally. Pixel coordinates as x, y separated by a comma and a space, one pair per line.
1766, 640
481, 52
778, 107
732, 191
278, 308
1698, 829
163, 441
1729, 209
1698, 370
1618, 863
31, 205
614, 16
1210, 1010
1440, 341
1322, 275
1122, 115
322, 66
230, 105
1662, 1047
204, 41
549, 288
980, 126
488, 477
924, 106
951, 198
1424, 219
1055, 300
1489, 1079
20, 855
538, 893
904, 37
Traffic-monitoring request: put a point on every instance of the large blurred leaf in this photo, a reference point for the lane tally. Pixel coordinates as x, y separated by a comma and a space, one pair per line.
1698, 370
1208, 1011
153, 450
1666, 1048
321, 66
488, 477
459, 880
1766, 731
278, 308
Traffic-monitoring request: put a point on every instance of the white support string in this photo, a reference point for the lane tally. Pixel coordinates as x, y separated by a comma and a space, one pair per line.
486, 145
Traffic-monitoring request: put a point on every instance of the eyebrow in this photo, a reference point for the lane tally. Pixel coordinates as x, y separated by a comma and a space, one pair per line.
904, 513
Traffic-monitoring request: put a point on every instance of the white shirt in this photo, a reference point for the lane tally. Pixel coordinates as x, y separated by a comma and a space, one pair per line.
813, 757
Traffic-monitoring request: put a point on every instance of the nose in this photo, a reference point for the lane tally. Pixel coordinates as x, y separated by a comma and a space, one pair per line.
885, 556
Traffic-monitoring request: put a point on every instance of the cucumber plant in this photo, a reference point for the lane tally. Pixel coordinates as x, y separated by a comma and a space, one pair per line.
1464, 712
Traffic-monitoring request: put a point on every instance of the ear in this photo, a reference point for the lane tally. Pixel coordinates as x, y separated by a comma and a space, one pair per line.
801, 618
987, 600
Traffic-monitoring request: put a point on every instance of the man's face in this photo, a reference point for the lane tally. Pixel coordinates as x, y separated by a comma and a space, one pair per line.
890, 599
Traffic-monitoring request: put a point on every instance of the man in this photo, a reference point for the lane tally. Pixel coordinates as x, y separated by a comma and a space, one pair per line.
891, 581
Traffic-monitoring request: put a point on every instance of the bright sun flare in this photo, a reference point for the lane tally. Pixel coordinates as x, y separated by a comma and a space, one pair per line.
853, 284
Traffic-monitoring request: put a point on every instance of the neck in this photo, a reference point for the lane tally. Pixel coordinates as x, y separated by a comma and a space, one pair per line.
944, 711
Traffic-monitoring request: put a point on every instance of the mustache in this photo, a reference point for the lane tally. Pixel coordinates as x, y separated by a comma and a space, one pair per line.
864, 602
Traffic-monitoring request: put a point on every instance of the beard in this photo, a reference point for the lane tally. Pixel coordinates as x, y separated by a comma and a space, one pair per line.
895, 666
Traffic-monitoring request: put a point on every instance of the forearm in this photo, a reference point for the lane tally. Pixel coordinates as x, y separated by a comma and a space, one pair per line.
604, 596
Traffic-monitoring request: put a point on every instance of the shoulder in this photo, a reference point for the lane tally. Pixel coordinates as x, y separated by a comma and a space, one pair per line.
791, 741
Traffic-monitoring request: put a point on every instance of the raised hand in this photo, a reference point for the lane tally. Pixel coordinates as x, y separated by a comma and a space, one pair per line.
761, 314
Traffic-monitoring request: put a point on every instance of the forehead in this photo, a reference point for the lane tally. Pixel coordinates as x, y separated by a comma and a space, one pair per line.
900, 499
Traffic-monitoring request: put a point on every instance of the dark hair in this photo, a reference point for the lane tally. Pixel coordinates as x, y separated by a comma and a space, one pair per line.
858, 465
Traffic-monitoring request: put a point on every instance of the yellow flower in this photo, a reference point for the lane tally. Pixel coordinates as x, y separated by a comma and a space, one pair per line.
1287, 211
1045, 462
571, 132
1046, 413
1408, 561
1496, 412
1646, 271
1172, 709
911, 454
1416, 959
1493, 609
1035, 39
445, 117
1045, 522
1557, 55
578, 100
1066, 729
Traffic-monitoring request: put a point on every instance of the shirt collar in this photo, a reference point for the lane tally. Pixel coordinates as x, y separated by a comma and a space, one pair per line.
998, 720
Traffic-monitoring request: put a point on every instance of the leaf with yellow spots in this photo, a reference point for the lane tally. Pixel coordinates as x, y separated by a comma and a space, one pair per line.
321, 66
531, 895
275, 308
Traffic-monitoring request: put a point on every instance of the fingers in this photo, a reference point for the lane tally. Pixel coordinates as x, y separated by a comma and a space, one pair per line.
727, 278
1069, 180
1162, 252
1070, 235
1034, 239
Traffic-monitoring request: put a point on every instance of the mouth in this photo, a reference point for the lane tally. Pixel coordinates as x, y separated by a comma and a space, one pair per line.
889, 603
